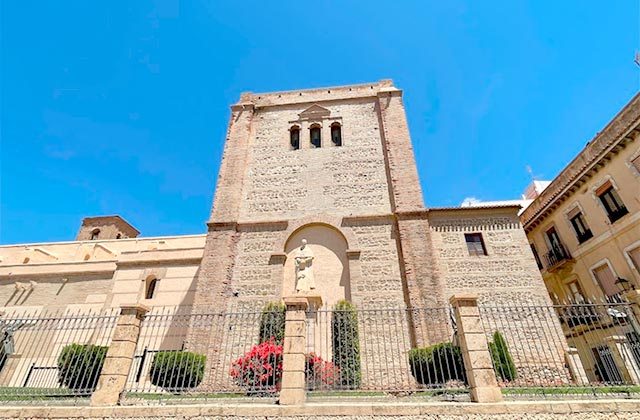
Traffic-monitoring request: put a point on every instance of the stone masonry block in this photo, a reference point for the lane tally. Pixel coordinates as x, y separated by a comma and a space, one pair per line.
293, 361
475, 341
129, 319
108, 391
468, 311
295, 329
122, 349
483, 378
491, 394
126, 333
479, 359
294, 344
116, 366
471, 324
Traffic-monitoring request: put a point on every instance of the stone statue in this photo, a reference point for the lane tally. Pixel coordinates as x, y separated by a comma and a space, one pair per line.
304, 268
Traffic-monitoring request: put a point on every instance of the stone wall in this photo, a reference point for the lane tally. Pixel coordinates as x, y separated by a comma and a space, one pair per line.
512, 295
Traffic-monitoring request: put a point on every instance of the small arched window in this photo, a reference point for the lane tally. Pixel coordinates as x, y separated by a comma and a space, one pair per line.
151, 288
336, 134
316, 136
119, 236
94, 234
294, 137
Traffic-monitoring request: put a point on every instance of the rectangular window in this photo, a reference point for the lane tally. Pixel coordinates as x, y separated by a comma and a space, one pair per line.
583, 233
611, 202
554, 239
475, 244
536, 256
575, 292
607, 280
636, 163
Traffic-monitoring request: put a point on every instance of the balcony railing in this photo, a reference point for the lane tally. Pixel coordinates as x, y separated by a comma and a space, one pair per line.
557, 256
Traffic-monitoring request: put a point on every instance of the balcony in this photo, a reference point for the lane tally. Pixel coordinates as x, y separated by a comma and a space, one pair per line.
557, 257
617, 214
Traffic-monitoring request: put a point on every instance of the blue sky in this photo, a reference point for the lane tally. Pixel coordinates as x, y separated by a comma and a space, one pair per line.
120, 107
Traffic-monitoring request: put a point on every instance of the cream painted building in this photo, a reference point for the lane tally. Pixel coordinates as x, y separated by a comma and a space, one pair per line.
584, 229
106, 267
585, 226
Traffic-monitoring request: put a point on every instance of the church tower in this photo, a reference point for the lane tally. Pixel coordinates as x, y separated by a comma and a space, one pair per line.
333, 166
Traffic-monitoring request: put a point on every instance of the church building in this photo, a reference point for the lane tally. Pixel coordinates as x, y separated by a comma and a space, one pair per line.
318, 185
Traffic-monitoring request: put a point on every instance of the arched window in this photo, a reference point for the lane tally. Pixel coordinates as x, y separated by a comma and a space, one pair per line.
336, 134
119, 236
315, 133
294, 137
94, 234
151, 288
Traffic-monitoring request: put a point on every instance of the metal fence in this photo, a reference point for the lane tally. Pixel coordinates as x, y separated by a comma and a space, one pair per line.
564, 349
54, 355
185, 353
190, 353
360, 351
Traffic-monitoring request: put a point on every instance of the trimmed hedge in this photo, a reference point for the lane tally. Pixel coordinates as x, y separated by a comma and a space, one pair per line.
437, 364
502, 360
79, 366
272, 323
346, 345
177, 370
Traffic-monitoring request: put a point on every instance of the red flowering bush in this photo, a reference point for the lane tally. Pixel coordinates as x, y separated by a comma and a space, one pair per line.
260, 369
320, 373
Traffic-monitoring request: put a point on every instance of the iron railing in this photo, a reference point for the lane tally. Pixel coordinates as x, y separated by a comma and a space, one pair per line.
186, 353
383, 350
53, 356
557, 255
589, 349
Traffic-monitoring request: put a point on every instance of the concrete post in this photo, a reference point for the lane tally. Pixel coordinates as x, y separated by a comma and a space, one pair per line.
117, 364
475, 350
575, 366
623, 358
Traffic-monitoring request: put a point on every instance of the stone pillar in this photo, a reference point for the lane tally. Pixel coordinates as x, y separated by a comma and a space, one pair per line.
294, 351
575, 366
623, 358
475, 350
117, 364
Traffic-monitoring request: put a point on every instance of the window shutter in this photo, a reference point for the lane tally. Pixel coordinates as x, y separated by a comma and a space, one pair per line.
604, 187
574, 212
606, 279
636, 163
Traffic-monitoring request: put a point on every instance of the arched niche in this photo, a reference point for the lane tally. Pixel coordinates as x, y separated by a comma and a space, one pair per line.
330, 264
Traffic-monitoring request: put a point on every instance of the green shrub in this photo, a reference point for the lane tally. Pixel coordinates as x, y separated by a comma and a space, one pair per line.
79, 366
502, 360
437, 364
272, 322
346, 345
177, 370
